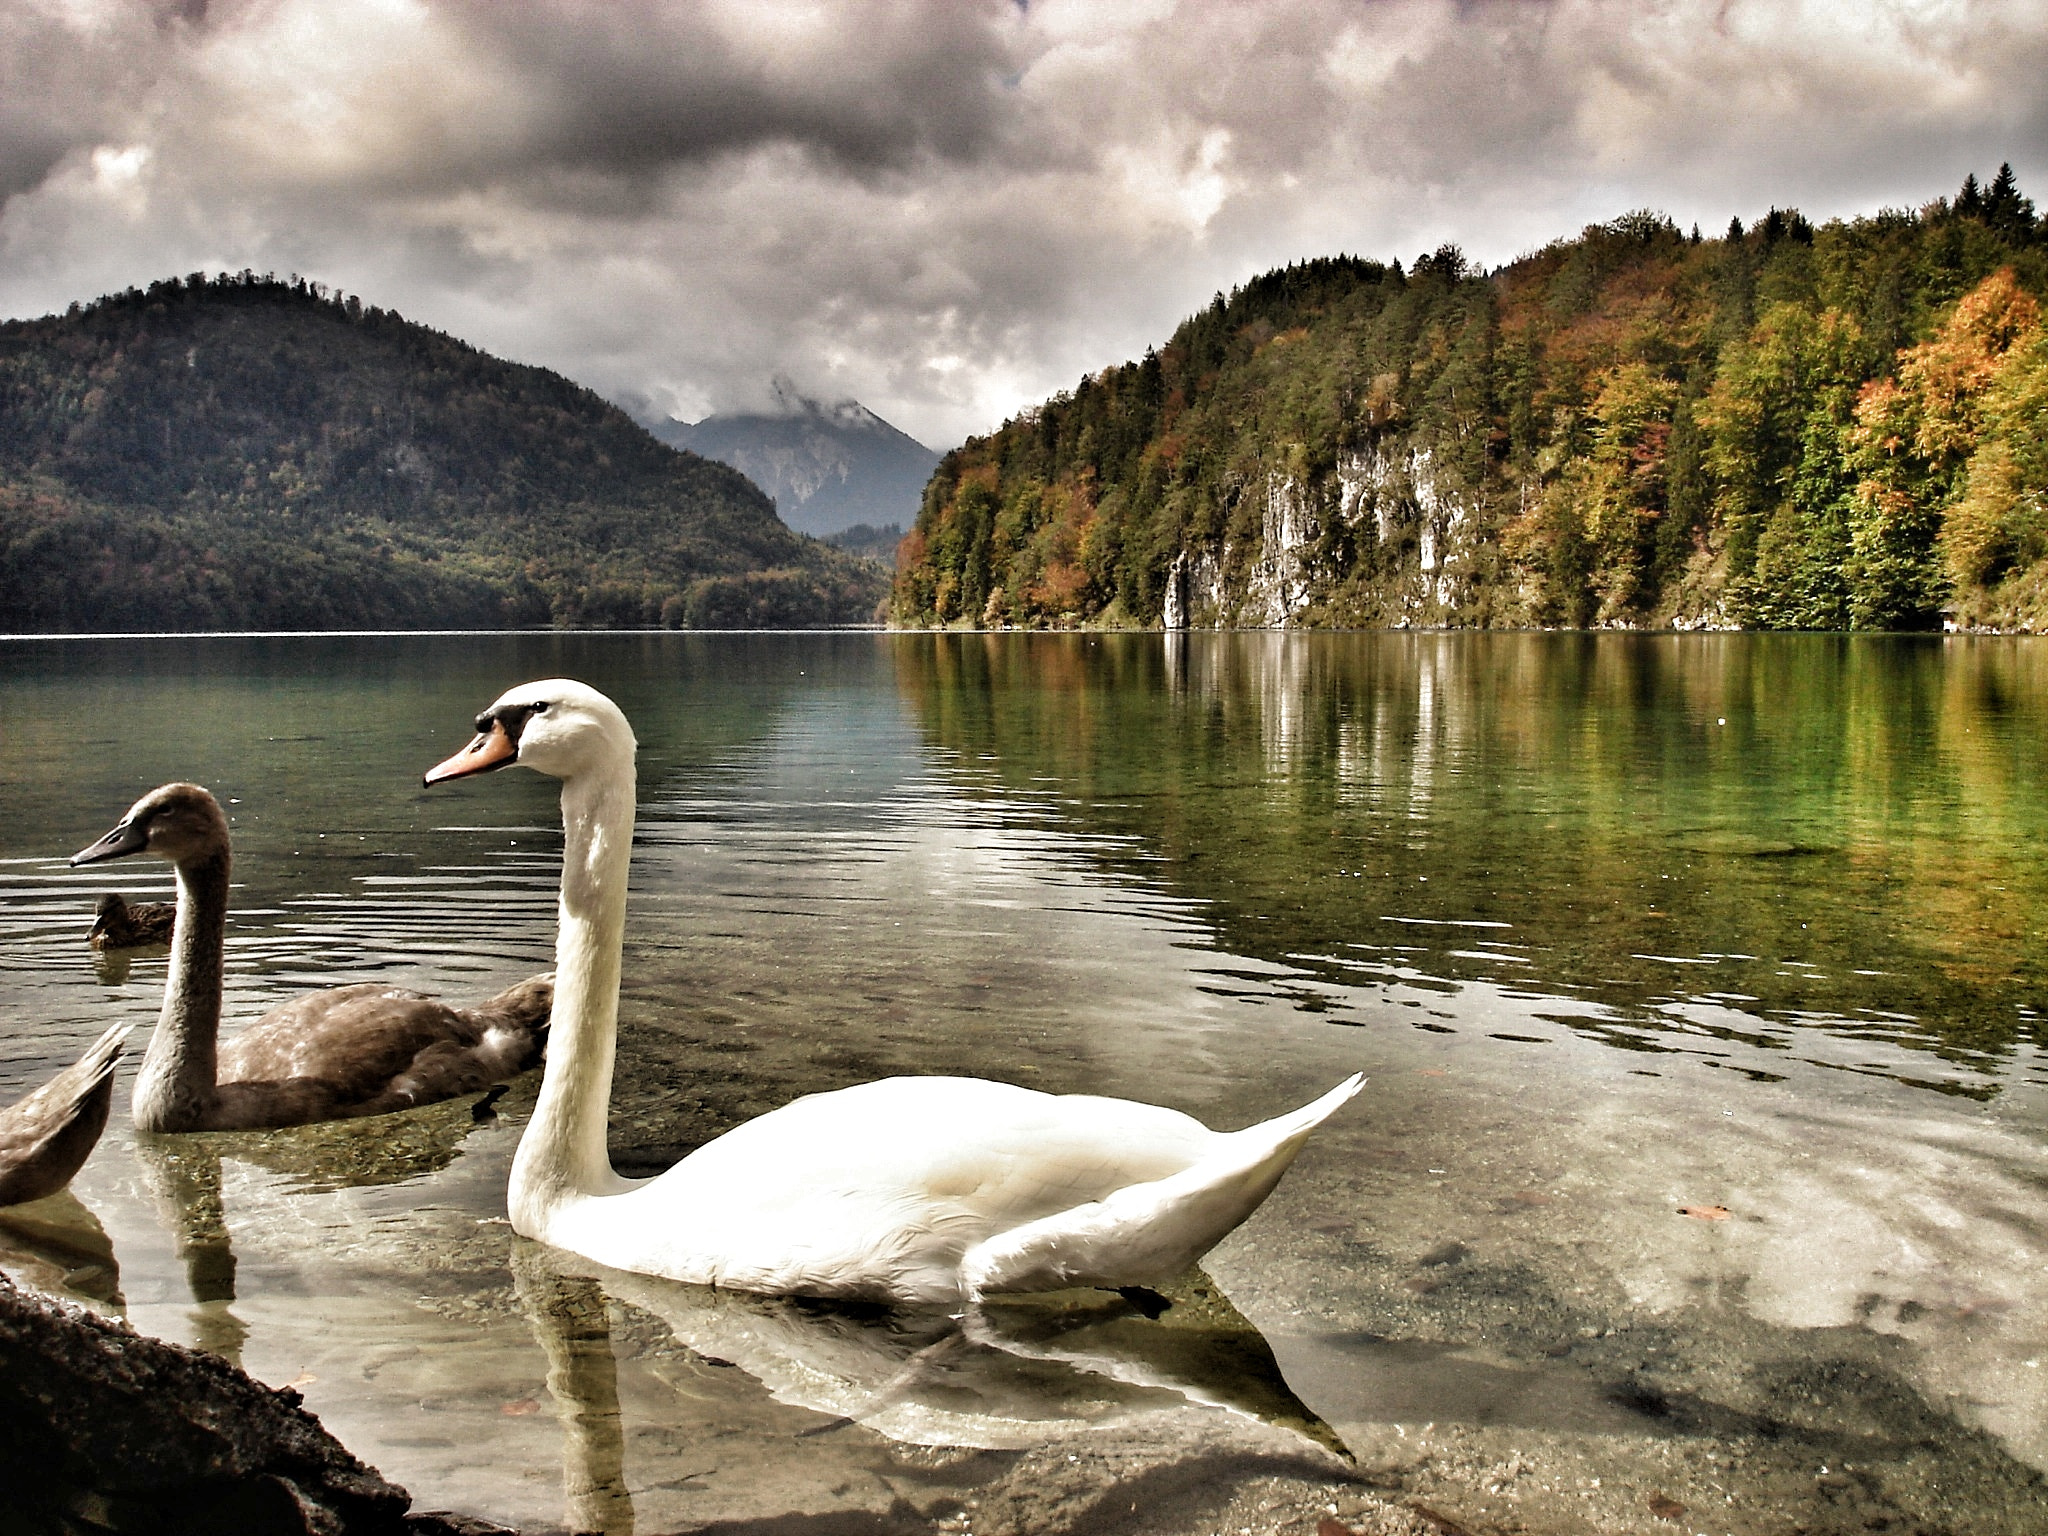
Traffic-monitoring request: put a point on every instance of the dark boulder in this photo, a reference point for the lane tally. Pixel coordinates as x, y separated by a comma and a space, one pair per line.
104, 1429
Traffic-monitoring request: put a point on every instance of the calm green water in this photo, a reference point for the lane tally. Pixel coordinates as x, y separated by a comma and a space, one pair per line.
1673, 838
1616, 924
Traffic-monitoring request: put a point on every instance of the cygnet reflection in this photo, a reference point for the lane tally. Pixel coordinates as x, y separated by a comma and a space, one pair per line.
57, 1244
183, 1175
348, 1154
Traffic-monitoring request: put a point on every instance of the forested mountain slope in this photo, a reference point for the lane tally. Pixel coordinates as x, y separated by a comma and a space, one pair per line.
243, 452
1787, 427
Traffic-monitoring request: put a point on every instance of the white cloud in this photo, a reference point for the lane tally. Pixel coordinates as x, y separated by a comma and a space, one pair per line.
948, 210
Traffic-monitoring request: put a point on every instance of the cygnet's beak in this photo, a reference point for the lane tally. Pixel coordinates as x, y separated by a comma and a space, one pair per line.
125, 839
493, 748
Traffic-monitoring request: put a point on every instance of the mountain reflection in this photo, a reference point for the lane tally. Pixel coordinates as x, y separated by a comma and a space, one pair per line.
1811, 831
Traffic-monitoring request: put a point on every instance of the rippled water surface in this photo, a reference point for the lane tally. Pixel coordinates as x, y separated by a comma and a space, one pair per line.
1620, 927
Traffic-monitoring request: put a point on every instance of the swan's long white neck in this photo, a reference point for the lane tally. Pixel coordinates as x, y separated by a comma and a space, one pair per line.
562, 1158
175, 1089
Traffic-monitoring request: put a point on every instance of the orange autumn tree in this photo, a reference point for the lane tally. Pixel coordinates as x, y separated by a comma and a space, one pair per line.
1994, 538
1919, 533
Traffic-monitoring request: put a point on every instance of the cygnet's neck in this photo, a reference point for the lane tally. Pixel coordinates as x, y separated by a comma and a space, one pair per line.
562, 1156
174, 1090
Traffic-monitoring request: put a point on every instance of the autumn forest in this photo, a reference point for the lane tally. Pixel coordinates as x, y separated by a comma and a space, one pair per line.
1783, 426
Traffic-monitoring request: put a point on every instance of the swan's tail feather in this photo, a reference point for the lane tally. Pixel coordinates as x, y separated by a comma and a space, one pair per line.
48, 1135
91, 1074
1297, 1123
100, 1056
1148, 1234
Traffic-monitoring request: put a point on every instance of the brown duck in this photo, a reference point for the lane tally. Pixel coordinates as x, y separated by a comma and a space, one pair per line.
123, 924
46, 1137
360, 1050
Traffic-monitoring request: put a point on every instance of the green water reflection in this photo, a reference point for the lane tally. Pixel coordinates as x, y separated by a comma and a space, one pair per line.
1798, 881
1796, 831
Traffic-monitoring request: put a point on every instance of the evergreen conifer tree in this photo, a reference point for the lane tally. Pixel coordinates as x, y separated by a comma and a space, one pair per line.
2004, 207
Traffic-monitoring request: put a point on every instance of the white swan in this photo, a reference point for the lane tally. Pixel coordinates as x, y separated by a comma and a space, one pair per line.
923, 1190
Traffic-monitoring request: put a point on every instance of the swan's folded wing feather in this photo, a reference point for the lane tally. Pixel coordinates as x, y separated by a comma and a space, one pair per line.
1149, 1233
904, 1188
880, 1188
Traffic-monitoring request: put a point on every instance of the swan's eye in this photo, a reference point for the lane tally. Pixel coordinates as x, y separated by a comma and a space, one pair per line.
541, 708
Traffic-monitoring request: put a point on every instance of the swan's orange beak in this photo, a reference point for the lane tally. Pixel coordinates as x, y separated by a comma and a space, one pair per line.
491, 749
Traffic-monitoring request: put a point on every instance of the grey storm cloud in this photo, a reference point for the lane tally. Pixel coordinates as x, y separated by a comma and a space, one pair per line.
634, 88
946, 209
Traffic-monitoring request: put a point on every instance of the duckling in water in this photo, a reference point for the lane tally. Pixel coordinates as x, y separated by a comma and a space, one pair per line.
122, 924
46, 1137
362, 1050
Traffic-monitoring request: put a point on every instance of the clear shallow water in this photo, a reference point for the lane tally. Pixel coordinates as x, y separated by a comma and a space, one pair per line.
1603, 954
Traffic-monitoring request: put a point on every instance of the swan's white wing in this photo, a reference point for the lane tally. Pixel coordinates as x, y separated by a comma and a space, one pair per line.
927, 1189
1147, 1234
879, 1189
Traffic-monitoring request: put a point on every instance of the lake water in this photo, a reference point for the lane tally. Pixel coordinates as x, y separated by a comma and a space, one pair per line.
1620, 927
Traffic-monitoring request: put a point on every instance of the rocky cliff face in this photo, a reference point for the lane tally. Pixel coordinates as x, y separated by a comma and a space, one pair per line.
1381, 539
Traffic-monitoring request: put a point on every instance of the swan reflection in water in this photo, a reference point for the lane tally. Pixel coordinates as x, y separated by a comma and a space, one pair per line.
1013, 1373
571, 1320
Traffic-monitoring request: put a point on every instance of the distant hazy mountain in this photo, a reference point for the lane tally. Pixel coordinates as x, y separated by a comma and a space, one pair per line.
827, 466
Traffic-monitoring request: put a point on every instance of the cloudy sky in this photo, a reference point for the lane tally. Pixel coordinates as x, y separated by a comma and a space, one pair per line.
945, 208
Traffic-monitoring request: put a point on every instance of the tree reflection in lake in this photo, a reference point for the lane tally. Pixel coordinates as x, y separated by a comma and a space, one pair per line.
1839, 833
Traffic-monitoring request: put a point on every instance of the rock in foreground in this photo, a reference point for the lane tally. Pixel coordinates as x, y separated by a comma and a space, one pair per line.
105, 1429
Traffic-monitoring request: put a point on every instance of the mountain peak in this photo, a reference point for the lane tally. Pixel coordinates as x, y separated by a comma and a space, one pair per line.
828, 466
790, 402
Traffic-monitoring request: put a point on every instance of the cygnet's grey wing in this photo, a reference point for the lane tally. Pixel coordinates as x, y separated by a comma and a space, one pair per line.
370, 1049
47, 1136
